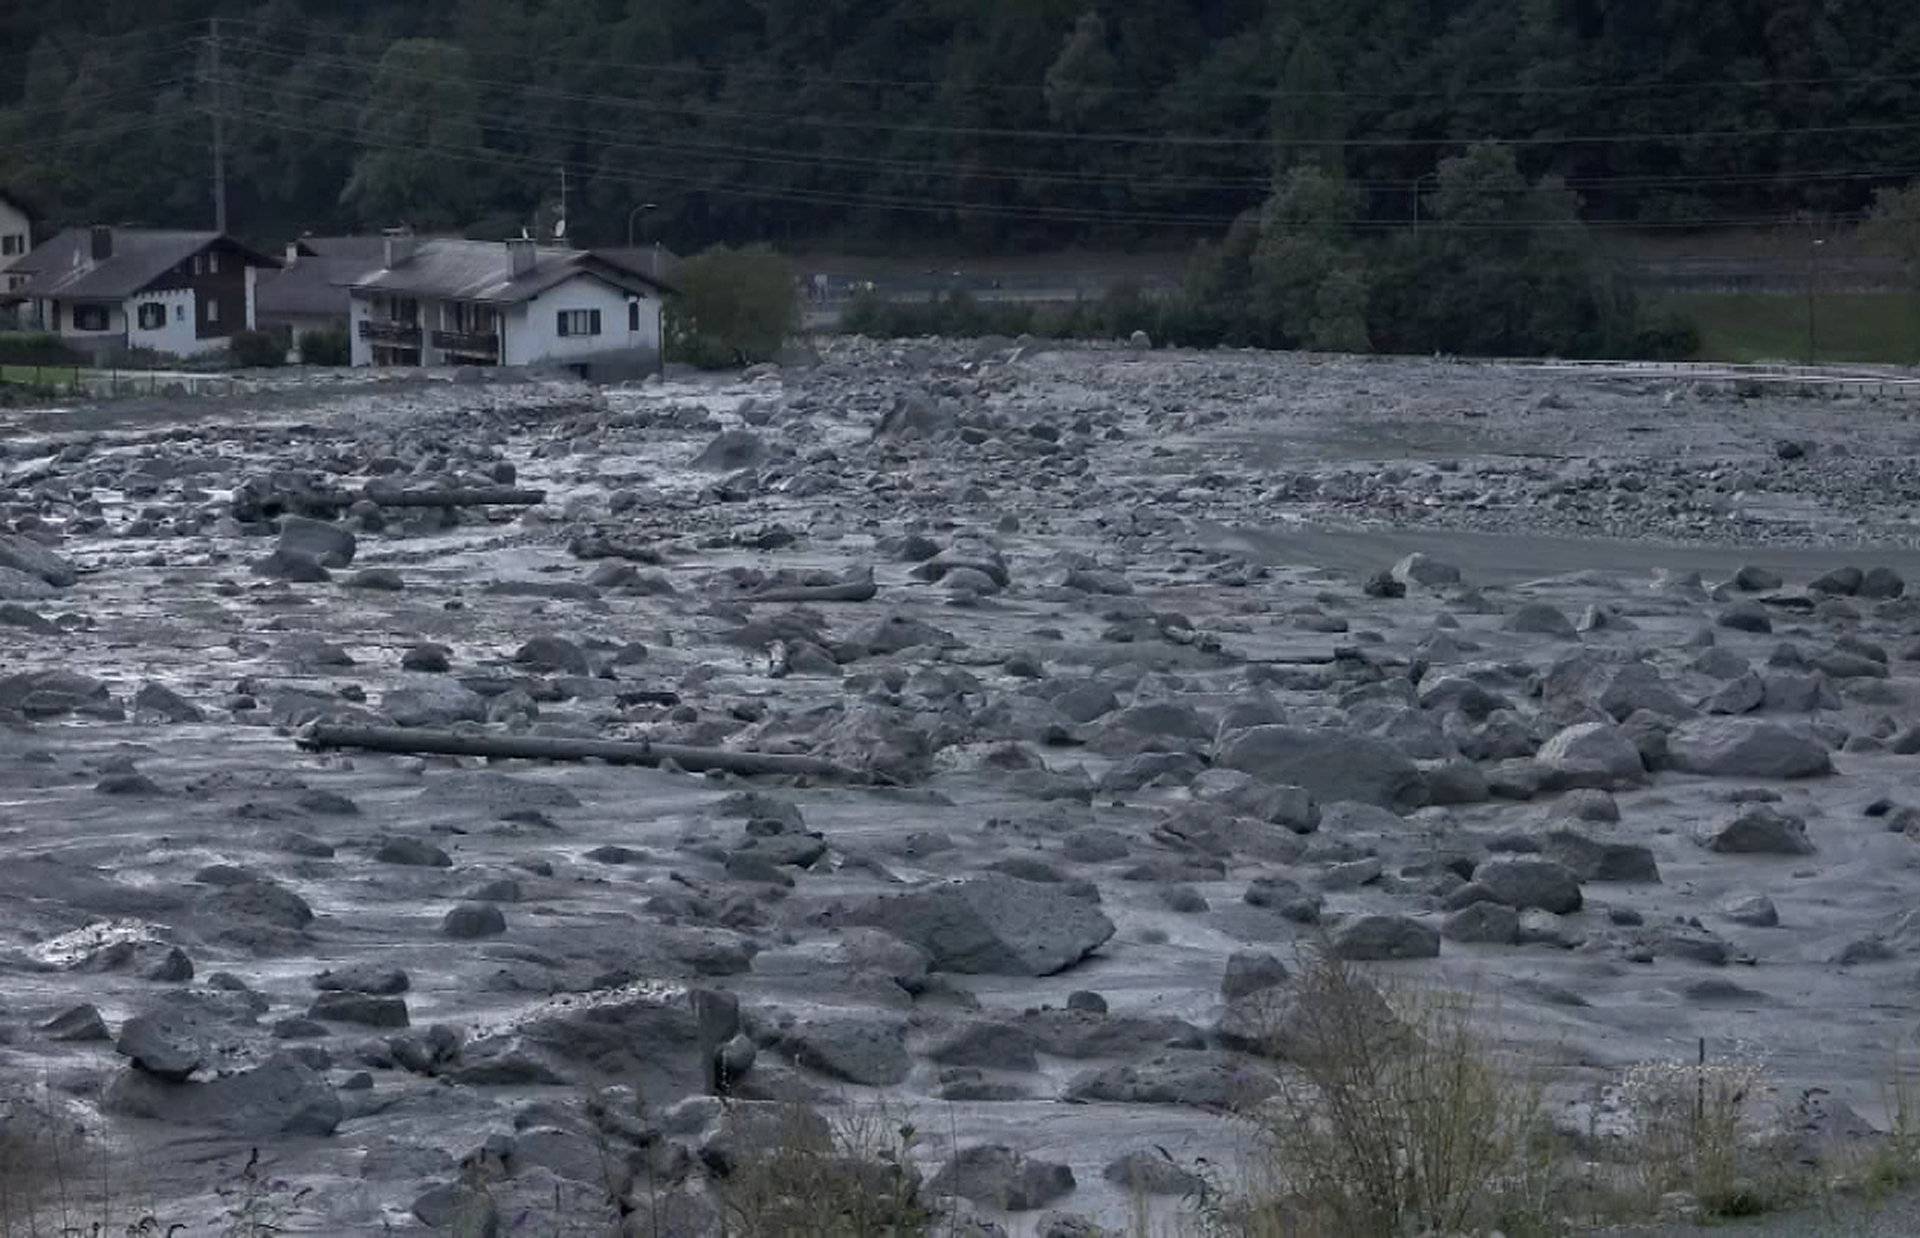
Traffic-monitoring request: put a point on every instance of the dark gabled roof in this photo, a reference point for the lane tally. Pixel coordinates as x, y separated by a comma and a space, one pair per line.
370, 250
311, 287
62, 269
483, 271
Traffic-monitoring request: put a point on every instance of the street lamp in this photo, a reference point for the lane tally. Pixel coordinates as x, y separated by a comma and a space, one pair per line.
644, 206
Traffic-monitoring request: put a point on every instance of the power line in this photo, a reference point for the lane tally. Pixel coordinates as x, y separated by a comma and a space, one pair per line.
807, 76
89, 44
111, 129
1137, 139
946, 207
959, 170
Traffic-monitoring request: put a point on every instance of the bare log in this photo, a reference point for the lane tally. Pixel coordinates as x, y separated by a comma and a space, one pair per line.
473, 496
859, 588
323, 735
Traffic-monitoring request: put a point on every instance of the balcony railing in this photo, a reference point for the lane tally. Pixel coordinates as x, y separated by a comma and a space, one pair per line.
383, 331
484, 343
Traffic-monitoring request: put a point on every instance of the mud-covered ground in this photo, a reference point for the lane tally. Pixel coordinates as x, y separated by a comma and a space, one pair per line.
1134, 693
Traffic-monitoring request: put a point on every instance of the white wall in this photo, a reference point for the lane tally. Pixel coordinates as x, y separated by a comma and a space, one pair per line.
14, 224
533, 329
175, 336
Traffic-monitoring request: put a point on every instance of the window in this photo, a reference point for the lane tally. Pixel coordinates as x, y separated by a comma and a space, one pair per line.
179, 313
633, 315
199, 263
213, 262
90, 317
579, 322
153, 315
213, 311
12, 244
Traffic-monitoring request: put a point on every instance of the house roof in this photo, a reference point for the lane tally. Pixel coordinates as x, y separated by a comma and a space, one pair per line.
483, 271
61, 268
642, 261
314, 286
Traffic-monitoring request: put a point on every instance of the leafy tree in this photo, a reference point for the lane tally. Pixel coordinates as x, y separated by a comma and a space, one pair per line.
1893, 227
419, 133
736, 307
1310, 284
1505, 268
1081, 83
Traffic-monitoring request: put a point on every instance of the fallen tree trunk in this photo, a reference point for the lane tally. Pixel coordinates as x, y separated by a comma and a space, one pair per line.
324, 735
860, 589
476, 496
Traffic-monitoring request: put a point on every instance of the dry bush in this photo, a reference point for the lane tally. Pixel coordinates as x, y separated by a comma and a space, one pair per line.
54, 1181
1713, 1129
1398, 1117
849, 1175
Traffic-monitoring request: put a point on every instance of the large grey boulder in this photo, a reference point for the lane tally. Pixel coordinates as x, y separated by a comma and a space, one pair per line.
860, 1048
281, 1096
1596, 755
1378, 938
1204, 1079
1746, 748
659, 1038
1590, 859
23, 554
434, 702
1428, 572
166, 1044
317, 541
1761, 830
995, 1176
730, 451
991, 924
1330, 764
1521, 883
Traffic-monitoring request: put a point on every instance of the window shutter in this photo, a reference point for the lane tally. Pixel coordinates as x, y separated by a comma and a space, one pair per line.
561, 319
594, 329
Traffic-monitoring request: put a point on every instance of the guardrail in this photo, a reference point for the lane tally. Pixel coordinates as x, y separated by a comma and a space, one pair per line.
110, 382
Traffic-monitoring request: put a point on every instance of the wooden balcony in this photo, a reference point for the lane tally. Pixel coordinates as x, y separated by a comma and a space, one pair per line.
468, 343
383, 331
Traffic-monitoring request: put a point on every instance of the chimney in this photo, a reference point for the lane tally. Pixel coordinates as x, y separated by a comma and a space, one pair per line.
293, 252
521, 255
102, 243
399, 246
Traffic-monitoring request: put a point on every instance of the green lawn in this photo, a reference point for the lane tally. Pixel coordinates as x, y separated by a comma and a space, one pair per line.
1751, 326
47, 376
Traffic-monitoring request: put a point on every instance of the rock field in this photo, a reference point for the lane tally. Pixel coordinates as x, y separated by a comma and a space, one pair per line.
1128, 675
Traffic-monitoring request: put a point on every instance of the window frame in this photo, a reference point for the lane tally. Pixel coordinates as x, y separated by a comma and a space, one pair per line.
156, 320
103, 314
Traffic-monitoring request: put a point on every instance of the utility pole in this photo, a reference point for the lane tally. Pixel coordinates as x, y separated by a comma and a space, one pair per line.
1813, 280
219, 129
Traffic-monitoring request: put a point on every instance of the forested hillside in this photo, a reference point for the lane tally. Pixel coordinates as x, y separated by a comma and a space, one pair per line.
1029, 122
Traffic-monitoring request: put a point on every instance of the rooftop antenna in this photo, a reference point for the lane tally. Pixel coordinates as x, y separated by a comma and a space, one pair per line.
560, 220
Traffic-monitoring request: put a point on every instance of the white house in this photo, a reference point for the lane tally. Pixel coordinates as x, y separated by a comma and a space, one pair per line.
16, 238
448, 302
178, 293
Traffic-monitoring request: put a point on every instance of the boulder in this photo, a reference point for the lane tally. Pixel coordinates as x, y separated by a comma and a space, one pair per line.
1483, 922
1521, 883
991, 924
859, 1048
433, 703
1329, 764
1745, 748
318, 541
1542, 619
1761, 830
23, 554
1590, 859
730, 451
1425, 571
1203, 1079
662, 1039
1595, 755
995, 1176
281, 1096
1376, 938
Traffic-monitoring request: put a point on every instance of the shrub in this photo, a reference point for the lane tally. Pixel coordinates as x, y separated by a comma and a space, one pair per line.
800, 1175
255, 350
1666, 335
736, 307
38, 348
330, 347
1712, 1129
1398, 1118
